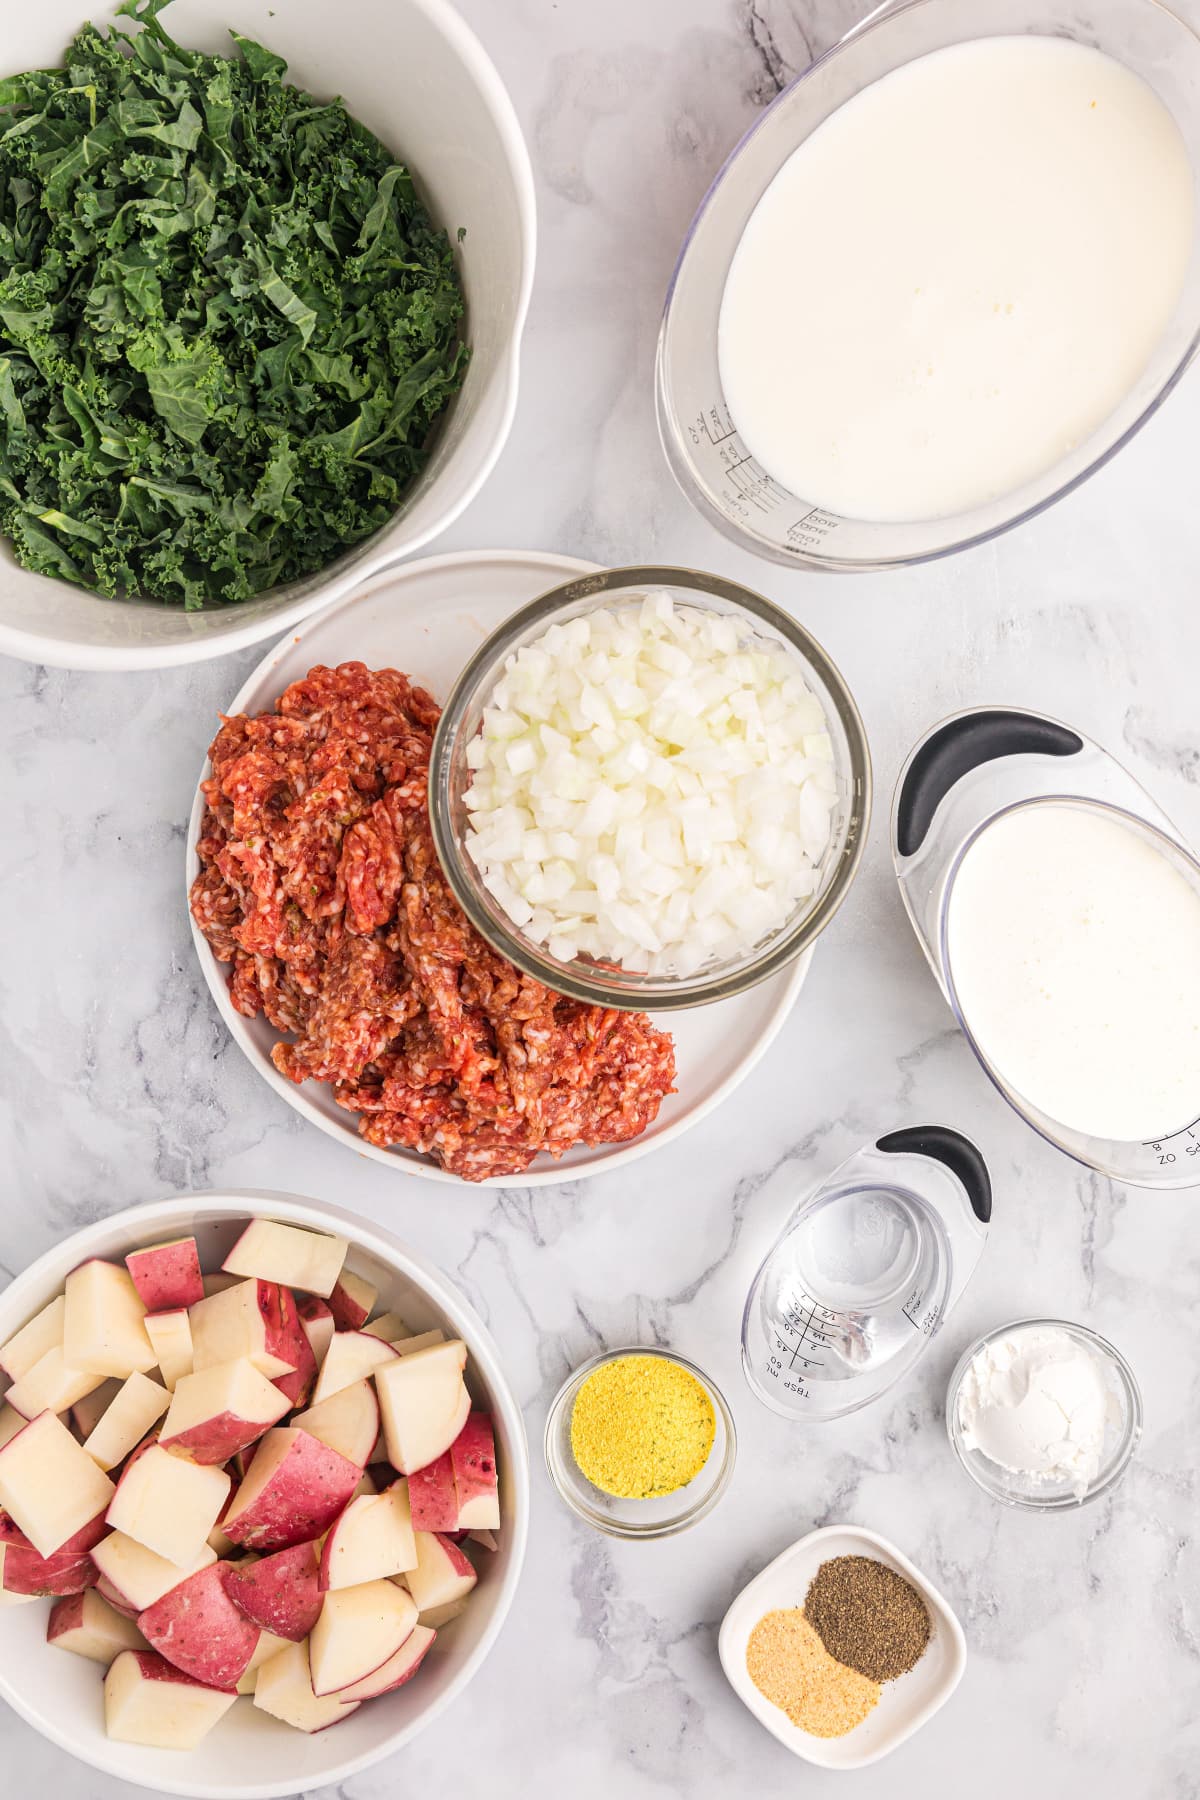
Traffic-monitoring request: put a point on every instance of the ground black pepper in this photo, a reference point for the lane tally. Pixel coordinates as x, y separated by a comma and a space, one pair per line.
868, 1616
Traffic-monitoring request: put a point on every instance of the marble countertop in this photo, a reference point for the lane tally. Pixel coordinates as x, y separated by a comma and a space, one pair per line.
120, 1083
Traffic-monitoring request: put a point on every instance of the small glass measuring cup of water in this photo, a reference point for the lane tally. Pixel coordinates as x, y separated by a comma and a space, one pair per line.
864, 1272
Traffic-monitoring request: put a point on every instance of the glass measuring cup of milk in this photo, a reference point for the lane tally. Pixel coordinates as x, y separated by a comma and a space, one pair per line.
864, 1272
713, 462
1099, 1046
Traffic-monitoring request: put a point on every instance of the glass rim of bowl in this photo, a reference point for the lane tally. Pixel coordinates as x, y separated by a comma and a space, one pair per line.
1001, 1487
631, 992
606, 1522
956, 532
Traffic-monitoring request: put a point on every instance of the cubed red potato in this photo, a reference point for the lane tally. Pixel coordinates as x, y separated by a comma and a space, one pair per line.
133, 1578
487, 1540
348, 1421
294, 1490
51, 1385
284, 1689
87, 1413
350, 1301
7, 1599
218, 1282
317, 1323
473, 1460
107, 1592
218, 1411
10, 1423
138, 1404
421, 1340
69, 1570
360, 1629
396, 1671
28, 1346
424, 1404
168, 1503
252, 1318
279, 1593
433, 1496
352, 1356
147, 1700
217, 1540
267, 1647
167, 1276
88, 1626
289, 1255
297, 1387
438, 1617
372, 1540
197, 1627
49, 1484
103, 1326
442, 1575
171, 1335
387, 1326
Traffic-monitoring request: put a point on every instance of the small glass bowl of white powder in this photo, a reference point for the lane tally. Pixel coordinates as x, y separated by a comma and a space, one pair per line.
650, 788
1043, 1414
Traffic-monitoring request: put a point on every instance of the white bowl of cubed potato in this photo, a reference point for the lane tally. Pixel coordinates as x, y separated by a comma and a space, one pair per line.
275, 1479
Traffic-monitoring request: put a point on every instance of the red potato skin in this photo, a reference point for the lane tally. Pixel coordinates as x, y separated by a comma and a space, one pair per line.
311, 1307
239, 1462
70, 1570
153, 1667
147, 1443
348, 1315
408, 1675
433, 1497
218, 1439
167, 1276
115, 1598
287, 1338
65, 1615
280, 1593
309, 1490
473, 1459
199, 1630
462, 1565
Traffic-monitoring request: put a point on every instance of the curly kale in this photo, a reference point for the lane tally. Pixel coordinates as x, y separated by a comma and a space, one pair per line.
227, 323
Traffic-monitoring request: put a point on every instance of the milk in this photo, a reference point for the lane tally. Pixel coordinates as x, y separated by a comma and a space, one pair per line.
1074, 950
956, 278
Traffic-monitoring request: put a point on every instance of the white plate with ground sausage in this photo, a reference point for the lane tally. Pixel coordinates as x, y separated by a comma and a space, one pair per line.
426, 618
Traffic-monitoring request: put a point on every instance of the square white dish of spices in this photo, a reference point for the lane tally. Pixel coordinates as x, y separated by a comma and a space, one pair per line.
842, 1648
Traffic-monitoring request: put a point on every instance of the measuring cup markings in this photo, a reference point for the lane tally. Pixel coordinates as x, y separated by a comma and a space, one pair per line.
890, 1239
1161, 1147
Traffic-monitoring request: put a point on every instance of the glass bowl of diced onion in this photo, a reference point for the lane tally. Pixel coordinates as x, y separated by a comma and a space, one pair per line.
650, 788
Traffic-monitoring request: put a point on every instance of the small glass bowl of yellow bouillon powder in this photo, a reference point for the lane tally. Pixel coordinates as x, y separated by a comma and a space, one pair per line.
640, 1443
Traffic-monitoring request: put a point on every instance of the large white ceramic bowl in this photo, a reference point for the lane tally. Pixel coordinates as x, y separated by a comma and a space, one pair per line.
418, 76
248, 1755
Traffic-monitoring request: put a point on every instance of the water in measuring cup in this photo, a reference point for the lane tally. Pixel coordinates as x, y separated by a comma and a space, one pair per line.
844, 1302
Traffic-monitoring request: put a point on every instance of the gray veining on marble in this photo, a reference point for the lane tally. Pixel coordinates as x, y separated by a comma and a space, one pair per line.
120, 1084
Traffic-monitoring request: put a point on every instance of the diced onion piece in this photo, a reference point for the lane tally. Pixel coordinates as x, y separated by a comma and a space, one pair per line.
652, 786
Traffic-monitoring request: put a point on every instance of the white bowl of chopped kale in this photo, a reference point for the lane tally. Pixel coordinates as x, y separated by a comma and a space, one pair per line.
264, 268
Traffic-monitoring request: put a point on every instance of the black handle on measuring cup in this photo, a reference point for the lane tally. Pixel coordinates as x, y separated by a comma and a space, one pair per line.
957, 1152
961, 745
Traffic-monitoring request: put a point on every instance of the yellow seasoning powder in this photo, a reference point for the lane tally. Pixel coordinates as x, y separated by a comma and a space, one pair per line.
641, 1426
788, 1663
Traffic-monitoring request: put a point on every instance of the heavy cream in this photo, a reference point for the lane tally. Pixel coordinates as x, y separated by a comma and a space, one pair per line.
956, 278
1074, 951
